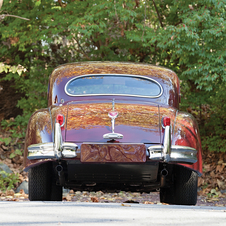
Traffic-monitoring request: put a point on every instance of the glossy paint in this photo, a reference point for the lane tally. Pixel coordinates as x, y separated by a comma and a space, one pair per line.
62, 74
88, 122
139, 119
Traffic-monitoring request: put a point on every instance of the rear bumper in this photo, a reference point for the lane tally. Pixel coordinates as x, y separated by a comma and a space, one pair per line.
47, 151
179, 154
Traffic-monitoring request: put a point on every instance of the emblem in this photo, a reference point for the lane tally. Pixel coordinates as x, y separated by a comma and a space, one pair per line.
113, 115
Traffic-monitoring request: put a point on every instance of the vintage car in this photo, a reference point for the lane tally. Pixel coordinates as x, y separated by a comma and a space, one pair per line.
113, 126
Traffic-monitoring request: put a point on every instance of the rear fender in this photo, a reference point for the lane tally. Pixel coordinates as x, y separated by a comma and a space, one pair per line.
39, 130
186, 133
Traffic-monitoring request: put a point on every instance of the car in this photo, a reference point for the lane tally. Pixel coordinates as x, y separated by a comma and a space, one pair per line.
113, 126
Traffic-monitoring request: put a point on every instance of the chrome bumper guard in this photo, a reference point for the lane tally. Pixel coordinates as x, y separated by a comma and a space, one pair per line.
47, 151
180, 154
172, 153
53, 150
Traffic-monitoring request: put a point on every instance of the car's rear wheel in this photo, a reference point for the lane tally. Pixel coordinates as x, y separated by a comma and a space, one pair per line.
56, 192
41, 184
183, 191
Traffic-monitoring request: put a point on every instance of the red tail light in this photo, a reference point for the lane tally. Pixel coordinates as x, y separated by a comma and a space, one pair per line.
182, 142
166, 121
60, 119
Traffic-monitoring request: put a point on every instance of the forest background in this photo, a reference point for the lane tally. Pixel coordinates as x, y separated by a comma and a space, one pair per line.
188, 37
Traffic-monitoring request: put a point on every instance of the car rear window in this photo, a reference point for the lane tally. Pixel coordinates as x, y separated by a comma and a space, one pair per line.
113, 85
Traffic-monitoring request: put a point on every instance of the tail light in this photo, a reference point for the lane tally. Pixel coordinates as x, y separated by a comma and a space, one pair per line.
166, 121
60, 119
182, 142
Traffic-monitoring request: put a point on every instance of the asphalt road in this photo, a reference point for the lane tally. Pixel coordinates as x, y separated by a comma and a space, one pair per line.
70, 213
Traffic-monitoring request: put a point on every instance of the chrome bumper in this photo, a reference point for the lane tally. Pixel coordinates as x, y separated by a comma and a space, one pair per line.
53, 150
172, 153
47, 151
180, 154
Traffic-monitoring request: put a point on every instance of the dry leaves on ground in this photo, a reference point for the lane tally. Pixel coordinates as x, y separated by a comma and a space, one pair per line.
10, 195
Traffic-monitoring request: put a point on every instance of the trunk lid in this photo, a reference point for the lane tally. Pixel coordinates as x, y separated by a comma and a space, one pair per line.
89, 121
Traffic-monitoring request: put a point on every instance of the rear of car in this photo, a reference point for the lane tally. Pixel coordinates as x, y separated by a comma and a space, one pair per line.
109, 129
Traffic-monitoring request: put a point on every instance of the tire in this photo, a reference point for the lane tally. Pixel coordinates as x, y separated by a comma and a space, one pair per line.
183, 191
42, 186
56, 193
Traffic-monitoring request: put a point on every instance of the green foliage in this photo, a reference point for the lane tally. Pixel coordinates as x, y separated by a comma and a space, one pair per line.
13, 69
6, 140
188, 37
16, 152
8, 180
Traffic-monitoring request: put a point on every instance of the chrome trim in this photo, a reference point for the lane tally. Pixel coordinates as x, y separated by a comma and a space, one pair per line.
50, 114
111, 143
47, 151
108, 94
53, 150
180, 154
113, 122
43, 148
58, 141
167, 144
113, 136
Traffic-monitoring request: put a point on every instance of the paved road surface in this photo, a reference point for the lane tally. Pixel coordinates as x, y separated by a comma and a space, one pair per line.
70, 213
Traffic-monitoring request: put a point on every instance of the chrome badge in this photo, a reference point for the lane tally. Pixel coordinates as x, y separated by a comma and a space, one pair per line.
113, 115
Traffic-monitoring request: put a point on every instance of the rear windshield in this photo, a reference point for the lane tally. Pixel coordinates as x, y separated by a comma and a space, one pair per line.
113, 85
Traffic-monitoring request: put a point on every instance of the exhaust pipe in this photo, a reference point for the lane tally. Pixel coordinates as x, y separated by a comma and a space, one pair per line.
60, 171
164, 173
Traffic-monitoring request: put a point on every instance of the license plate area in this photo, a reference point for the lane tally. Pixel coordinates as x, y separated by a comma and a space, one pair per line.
113, 152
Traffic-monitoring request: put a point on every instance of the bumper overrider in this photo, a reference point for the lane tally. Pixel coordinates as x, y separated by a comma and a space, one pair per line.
172, 153
53, 150
166, 152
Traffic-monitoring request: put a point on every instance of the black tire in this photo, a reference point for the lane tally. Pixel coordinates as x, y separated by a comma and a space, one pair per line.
41, 184
56, 192
183, 191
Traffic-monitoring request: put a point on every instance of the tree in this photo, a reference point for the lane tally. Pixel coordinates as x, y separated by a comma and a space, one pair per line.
188, 38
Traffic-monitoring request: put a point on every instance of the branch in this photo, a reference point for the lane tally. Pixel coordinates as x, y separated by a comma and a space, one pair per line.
62, 4
157, 13
5, 15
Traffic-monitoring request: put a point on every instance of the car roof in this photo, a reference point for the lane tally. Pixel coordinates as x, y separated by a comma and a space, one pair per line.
95, 67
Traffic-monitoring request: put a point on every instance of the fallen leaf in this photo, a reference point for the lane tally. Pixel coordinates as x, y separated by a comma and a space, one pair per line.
219, 205
212, 174
94, 199
68, 197
219, 168
148, 202
201, 181
221, 184
22, 191
17, 195
10, 193
9, 197
207, 168
212, 200
126, 205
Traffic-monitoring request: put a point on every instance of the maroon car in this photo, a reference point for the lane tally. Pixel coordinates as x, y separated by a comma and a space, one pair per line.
113, 126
